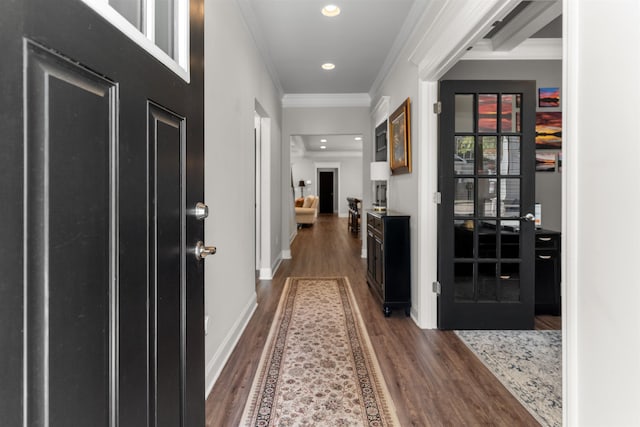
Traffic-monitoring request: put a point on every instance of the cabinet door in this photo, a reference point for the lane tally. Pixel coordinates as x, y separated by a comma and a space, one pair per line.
379, 263
371, 257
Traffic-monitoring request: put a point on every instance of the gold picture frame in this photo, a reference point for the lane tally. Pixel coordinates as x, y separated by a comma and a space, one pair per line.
400, 139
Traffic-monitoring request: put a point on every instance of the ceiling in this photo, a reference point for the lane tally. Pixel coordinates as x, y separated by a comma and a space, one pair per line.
310, 145
363, 42
295, 39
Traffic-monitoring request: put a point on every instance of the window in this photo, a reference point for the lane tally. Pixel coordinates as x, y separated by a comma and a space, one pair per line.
161, 27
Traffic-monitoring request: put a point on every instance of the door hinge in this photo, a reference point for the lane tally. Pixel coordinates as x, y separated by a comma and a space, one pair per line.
437, 198
437, 107
437, 288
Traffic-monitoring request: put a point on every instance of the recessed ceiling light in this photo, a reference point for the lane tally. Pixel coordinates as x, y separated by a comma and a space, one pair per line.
358, 138
331, 10
323, 147
328, 66
323, 140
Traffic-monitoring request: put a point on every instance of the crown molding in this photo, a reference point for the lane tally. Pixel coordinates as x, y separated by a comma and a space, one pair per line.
308, 100
448, 29
252, 24
530, 49
408, 27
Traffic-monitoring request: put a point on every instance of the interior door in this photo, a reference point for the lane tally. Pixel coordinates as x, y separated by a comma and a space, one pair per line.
487, 183
102, 297
326, 192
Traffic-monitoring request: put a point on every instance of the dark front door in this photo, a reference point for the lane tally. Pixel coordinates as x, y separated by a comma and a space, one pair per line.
486, 178
326, 192
101, 298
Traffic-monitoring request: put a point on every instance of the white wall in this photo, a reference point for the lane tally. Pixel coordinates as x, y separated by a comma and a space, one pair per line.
602, 236
350, 180
320, 121
235, 78
400, 84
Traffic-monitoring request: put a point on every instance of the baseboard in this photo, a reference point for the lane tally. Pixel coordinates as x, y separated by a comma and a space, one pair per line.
363, 254
219, 359
266, 274
286, 254
343, 215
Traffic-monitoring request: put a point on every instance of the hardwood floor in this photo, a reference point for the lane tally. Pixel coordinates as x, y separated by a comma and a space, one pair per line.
433, 378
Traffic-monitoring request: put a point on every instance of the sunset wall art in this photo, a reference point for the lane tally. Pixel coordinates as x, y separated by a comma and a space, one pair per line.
549, 97
549, 130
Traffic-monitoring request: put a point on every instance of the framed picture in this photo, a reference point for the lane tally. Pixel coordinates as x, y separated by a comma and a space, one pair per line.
549, 130
549, 97
381, 142
400, 139
545, 162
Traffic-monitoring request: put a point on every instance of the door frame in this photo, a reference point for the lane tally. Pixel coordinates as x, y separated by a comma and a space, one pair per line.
336, 182
263, 187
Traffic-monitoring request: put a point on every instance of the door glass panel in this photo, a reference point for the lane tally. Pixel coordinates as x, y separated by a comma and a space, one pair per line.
464, 113
509, 242
165, 26
463, 202
487, 283
463, 238
488, 155
487, 197
510, 113
487, 240
510, 197
131, 10
463, 282
488, 113
510, 155
464, 155
510, 282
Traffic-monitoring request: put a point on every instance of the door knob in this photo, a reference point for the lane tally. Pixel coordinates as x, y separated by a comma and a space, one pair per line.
203, 251
201, 211
528, 217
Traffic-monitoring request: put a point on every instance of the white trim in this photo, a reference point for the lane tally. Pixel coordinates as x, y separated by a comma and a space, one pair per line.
330, 165
254, 27
181, 69
413, 17
426, 314
221, 356
286, 253
310, 100
265, 191
381, 111
570, 214
453, 26
531, 49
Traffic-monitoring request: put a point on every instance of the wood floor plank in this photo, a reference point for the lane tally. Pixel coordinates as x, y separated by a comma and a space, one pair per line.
433, 378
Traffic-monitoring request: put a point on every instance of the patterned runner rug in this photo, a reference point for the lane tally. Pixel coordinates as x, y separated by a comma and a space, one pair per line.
528, 364
318, 367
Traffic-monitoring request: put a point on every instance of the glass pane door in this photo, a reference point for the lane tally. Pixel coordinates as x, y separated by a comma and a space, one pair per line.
487, 186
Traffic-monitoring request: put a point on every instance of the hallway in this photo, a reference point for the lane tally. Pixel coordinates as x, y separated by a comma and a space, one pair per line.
433, 378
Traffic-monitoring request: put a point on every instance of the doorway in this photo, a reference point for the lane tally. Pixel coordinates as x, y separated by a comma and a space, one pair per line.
487, 180
326, 191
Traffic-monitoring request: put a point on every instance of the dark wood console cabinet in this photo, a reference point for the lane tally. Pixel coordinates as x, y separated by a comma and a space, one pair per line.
389, 259
548, 272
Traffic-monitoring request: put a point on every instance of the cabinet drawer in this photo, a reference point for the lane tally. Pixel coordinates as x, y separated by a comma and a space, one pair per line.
374, 222
545, 241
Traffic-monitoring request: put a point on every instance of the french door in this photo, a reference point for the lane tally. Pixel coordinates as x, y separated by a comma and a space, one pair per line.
101, 296
486, 228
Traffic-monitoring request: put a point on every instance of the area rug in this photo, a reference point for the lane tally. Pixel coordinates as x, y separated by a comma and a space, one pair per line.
318, 367
528, 364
